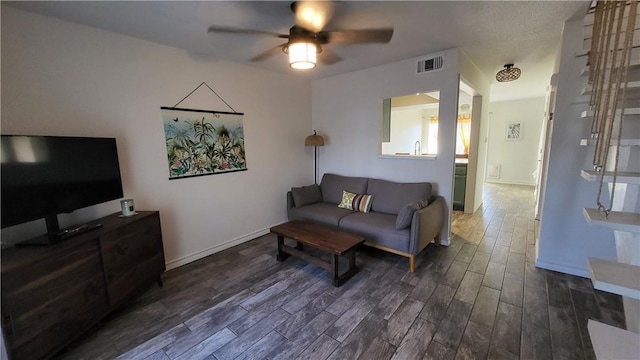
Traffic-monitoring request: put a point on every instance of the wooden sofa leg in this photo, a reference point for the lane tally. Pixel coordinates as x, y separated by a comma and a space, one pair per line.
436, 239
412, 263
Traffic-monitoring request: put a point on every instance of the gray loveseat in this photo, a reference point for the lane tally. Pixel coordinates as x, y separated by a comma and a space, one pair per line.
404, 217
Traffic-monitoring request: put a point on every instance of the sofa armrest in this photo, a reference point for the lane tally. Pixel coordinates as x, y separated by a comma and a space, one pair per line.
290, 204
426, 225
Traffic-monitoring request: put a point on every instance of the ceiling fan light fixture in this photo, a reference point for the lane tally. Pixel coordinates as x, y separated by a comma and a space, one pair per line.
509, 73
302, 55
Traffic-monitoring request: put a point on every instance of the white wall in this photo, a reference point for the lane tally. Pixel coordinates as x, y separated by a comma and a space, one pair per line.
407, 127
517, 159
566, 240
347, 111
60, 78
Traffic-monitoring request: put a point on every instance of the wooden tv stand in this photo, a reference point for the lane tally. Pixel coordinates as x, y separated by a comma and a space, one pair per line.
52, 294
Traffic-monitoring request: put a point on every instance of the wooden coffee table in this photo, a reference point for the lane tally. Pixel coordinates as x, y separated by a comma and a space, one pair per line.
335, 242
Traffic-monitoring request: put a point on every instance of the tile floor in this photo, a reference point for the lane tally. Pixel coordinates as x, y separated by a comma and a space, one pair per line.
479, 298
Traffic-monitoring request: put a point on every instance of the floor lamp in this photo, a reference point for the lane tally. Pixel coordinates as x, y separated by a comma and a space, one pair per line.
314, 140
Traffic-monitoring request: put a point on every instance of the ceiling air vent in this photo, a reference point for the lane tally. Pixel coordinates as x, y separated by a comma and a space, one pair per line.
430, 64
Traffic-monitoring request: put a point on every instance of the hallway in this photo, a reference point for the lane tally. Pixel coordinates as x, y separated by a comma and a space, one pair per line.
505, 227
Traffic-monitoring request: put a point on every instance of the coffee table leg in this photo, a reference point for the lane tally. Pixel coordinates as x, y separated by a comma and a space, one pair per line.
281, 254
352, 270
352, 259
334, 271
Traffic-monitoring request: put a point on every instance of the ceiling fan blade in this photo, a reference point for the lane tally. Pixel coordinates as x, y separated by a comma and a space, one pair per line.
312, 15
367, 36
328, 56
231, 30
269, 53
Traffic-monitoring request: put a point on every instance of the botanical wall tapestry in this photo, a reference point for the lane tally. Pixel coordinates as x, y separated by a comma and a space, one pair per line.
203, 142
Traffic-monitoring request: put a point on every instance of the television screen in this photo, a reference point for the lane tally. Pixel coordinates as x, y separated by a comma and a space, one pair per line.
43, 176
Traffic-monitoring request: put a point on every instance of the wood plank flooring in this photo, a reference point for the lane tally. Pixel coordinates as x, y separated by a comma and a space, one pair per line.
479, 298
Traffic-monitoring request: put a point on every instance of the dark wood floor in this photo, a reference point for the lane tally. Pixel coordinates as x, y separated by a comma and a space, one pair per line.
481, 297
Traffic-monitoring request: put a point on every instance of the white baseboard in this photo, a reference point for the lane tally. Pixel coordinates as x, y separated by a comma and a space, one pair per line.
562, 268
225, 245
217, 248
509, 182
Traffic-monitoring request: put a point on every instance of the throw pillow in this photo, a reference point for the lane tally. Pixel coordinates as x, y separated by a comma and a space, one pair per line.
306, 195
357, 202
405, 216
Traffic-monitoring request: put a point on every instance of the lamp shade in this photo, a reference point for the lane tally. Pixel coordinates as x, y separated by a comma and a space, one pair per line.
302, 55
314, 140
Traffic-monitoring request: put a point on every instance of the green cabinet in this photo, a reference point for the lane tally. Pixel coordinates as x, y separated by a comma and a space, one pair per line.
459, 186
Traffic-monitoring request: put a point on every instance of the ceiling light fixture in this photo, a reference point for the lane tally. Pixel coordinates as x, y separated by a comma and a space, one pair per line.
509, 73
302, 49
302, 55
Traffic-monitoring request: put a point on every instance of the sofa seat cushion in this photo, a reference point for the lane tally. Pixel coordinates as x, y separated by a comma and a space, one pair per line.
390, 197
378, 228
323, 213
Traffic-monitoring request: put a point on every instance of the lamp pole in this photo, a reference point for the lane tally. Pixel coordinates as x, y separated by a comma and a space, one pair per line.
315, 163
314, 140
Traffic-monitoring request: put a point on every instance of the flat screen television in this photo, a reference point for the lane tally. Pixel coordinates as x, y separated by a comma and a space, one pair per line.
43, 176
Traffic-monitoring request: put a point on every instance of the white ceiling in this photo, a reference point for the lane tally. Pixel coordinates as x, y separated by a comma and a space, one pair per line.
491, 33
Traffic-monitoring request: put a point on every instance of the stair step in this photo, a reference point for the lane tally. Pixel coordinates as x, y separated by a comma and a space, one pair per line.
632, 64
610, 342
631, 100
623, 177
631, 86
615, 277
628, 113
588, 29
614, 142
586, 43
617, 220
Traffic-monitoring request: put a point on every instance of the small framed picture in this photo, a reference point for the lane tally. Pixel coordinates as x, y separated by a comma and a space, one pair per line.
514, 131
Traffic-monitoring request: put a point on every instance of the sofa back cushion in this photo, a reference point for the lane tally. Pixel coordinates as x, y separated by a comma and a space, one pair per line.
333, 185
306, 195
390, 197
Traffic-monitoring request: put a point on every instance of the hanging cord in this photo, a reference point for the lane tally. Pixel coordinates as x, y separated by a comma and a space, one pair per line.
207, 85
609, 75
605, 92
595, 40
621, 75
612, 94
600, 96
595, 54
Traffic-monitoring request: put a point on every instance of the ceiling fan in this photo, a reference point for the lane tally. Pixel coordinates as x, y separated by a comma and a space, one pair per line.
307, 37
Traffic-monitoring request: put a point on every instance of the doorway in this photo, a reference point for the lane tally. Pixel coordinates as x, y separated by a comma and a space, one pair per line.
465, 175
